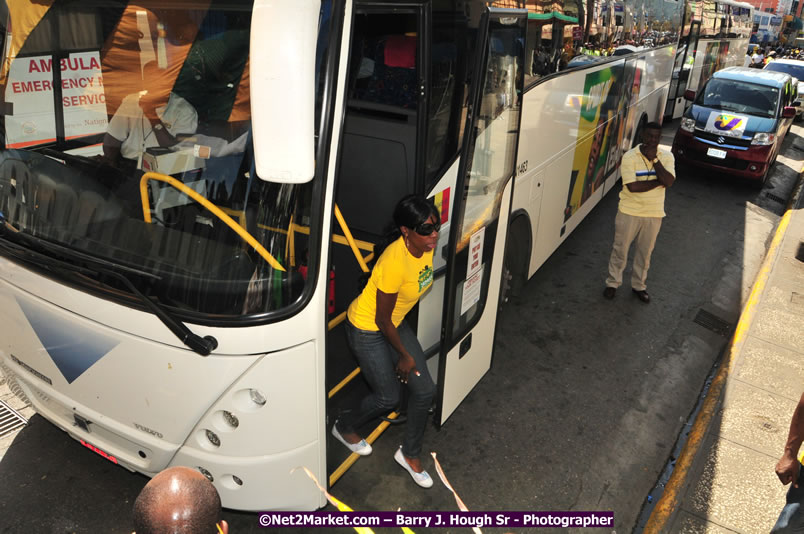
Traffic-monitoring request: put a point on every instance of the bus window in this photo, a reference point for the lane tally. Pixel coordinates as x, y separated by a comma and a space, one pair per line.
105, 97
447, 95
494, 148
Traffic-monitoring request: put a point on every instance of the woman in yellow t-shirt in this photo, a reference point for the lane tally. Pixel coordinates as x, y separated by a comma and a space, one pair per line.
384, 344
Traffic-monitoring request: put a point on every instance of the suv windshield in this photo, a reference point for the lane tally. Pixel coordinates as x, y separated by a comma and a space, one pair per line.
106, 100
739, 97
794, 70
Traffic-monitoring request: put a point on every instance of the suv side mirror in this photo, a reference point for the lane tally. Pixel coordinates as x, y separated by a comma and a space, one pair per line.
789, 112
689, 94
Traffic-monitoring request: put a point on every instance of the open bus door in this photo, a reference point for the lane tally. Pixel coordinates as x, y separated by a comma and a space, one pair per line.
481, 208
682, 70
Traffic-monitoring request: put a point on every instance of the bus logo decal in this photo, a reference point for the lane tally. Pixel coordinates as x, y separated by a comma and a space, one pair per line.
72, 348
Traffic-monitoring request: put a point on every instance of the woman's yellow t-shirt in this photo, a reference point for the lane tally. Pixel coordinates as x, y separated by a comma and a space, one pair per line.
397, 271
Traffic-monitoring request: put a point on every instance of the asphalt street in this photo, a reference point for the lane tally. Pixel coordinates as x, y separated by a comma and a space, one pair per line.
580, 411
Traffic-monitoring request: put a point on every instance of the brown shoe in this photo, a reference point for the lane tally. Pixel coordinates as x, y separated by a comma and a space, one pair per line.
609, 292
643, 295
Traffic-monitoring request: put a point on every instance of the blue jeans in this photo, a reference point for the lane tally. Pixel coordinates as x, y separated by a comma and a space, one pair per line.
378, 359
792, 517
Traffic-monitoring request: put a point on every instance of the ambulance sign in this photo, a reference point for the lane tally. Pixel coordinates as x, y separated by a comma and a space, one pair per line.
30, 91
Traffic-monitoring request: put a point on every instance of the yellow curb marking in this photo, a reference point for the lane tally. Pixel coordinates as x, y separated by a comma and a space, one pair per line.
669, 499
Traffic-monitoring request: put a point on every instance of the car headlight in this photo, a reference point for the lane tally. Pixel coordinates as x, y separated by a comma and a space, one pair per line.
763, 138
688, 125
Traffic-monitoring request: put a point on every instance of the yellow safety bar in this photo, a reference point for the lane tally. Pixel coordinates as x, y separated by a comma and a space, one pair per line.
355, 245
350, 239
247, 237
336, 238
339, 472
340, 318
336, 321
343, 382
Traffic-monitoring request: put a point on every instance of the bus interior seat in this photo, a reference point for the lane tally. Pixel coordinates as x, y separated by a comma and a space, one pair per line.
377, 169
379, 152
392, 67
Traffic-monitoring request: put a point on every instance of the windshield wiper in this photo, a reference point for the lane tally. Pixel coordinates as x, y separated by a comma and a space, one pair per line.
202, 345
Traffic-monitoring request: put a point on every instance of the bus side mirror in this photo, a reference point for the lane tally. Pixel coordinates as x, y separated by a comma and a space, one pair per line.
789, 112
689, 94
284, 35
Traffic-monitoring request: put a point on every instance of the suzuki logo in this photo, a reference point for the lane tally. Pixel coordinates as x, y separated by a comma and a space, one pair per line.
721, 139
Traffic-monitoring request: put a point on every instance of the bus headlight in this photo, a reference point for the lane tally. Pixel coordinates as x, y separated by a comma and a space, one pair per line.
763, 138
687, 124
256, 397
213, 438
231, 419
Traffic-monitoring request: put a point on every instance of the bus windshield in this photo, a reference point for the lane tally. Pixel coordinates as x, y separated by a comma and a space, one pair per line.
127, 137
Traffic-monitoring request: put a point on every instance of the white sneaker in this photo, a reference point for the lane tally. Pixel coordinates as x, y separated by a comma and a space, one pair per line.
362, 447
422, 479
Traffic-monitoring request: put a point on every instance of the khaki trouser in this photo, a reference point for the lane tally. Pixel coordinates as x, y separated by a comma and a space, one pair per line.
628, 228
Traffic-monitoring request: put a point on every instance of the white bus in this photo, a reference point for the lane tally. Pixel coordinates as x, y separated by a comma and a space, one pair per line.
715, 36
188, 188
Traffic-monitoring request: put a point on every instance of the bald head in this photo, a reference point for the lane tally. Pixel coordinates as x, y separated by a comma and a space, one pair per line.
179, 500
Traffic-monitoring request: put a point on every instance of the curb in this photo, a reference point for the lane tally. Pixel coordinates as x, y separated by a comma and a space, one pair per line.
796, 194
668, 503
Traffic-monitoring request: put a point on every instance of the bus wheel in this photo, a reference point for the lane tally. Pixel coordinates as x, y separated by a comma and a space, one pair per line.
517, 255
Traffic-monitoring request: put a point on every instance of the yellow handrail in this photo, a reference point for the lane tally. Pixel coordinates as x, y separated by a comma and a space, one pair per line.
247, 237
336, 238
350, 239
343, 382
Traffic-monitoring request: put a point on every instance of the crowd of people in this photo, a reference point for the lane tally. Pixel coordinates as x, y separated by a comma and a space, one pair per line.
757, 57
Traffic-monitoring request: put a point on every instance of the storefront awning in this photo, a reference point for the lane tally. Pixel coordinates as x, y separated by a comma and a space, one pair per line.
552, 15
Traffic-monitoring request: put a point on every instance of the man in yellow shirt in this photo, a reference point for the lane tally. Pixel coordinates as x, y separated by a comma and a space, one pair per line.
646, 173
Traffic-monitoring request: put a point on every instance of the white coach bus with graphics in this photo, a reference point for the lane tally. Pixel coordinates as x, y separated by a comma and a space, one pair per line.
190, 191
715, 35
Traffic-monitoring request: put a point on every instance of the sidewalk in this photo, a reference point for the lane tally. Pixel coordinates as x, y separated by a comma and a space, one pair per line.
724, 479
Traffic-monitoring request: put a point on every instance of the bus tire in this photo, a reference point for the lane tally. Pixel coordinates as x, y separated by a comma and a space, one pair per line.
517, 256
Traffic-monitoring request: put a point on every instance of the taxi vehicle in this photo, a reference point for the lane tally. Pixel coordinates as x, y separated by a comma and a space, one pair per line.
737, 122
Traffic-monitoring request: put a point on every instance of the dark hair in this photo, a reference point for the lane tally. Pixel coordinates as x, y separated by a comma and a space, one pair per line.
413, 210
652, 126
410, 212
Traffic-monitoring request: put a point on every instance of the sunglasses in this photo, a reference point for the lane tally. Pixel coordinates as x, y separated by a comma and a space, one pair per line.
426, 229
